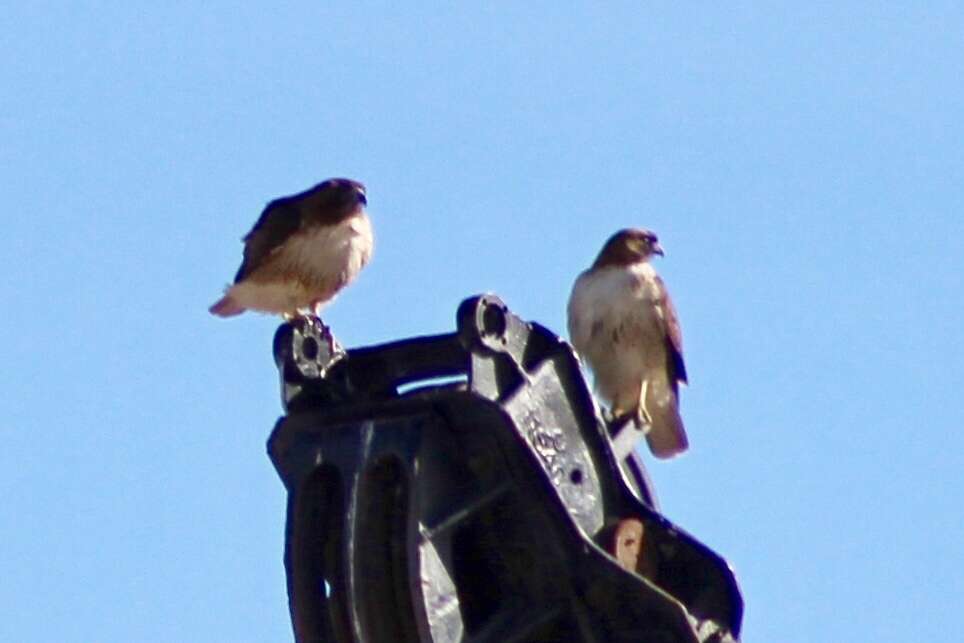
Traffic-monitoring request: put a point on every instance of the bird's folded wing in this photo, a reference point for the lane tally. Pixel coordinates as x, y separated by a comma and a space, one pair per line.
674, 335
279, 220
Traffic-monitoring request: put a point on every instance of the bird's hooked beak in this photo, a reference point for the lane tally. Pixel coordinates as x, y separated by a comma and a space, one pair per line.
657, 249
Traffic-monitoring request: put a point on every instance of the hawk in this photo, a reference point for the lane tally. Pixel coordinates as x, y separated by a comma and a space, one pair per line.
302, 250
623, 324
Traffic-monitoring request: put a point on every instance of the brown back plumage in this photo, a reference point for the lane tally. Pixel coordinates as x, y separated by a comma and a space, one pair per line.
327, 203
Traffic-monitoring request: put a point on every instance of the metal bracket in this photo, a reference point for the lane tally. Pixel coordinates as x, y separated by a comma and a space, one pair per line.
485, 507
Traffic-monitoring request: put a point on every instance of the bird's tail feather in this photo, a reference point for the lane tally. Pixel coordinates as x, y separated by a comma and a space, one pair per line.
226, 307
667, 436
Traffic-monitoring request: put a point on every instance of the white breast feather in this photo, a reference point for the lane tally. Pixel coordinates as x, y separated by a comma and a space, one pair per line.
329, 258
621, 302
331, 253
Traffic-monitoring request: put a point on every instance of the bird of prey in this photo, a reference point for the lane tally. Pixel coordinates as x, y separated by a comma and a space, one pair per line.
303, 249
622, 323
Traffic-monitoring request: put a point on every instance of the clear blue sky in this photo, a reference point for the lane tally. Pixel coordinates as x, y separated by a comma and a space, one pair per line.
803, 166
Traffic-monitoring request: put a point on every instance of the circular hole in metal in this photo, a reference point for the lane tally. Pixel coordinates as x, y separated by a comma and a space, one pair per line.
576, 476
309, 348
493, 321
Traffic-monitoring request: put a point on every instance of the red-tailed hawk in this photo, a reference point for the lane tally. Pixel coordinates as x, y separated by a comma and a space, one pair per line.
622, 322
303, 249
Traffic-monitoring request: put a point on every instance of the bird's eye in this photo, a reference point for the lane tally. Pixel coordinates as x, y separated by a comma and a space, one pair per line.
362, 198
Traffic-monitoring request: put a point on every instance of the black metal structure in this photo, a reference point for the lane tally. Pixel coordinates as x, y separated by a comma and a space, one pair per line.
464, 488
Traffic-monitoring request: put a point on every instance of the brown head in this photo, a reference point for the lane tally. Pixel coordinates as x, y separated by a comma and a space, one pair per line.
626, 247
330, 201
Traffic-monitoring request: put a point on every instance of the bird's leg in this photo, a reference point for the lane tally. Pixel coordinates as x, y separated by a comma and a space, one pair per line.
642, 415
